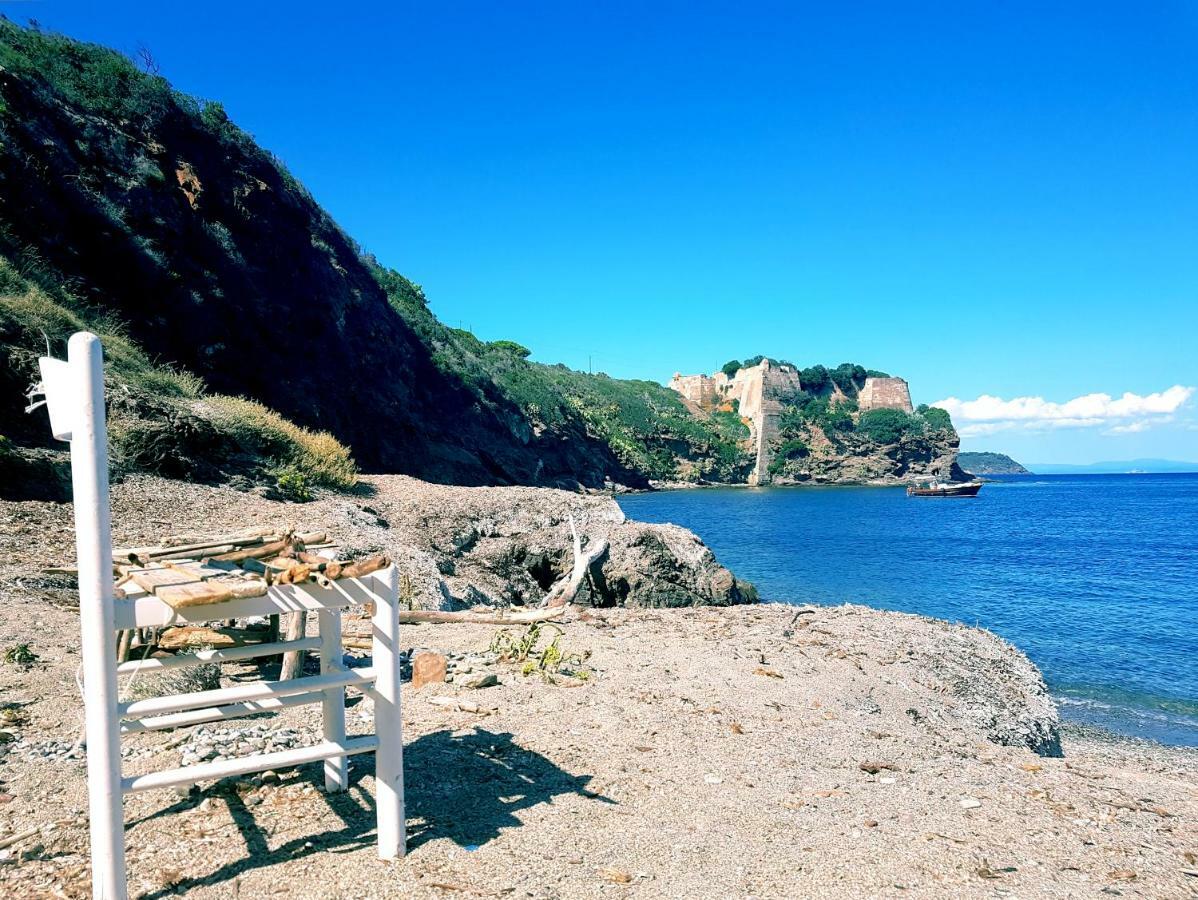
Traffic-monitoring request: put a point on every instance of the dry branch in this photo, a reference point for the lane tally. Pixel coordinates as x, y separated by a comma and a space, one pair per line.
564, 592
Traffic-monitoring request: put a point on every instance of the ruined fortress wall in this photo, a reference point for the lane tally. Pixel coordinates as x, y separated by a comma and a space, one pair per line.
700, 389
760, 391
885, 393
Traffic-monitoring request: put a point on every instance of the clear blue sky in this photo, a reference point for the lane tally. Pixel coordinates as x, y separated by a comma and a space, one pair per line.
984, 198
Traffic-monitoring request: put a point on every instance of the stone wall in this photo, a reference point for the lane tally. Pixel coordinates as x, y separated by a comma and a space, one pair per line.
760, 392
704, 390
885, 393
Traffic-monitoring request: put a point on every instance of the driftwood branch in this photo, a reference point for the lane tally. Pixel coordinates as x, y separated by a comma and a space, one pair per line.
564, 592
488, 617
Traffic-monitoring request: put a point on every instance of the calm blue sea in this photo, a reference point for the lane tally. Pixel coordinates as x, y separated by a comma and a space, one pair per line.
1095, 577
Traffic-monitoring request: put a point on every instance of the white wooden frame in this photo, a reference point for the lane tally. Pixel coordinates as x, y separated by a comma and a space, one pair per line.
74, 392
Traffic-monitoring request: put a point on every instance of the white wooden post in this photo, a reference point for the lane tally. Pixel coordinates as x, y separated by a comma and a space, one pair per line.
388, 758
93, 543
336, 770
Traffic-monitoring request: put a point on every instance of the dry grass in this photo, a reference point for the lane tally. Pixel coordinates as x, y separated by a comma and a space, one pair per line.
41, 317
159, 418
315, 455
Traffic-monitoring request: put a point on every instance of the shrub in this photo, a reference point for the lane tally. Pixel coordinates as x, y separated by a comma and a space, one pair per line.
846, 375
938, 419
886, 426
292, 483
20, 655
731, 367
815, 379
513, 348
258, 430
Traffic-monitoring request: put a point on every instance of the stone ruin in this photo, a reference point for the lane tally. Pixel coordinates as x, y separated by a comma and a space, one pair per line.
760, 392
885, 393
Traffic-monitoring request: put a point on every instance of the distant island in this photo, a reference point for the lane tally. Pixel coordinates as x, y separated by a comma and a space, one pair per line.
986, 463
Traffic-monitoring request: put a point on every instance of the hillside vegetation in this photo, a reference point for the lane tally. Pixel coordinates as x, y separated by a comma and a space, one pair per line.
250, 338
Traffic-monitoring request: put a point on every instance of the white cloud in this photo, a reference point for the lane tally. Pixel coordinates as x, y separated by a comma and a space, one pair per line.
1131, 427
1128, 414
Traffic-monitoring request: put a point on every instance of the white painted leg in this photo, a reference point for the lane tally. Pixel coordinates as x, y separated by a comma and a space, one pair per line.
97, 618
388, 762
336, 770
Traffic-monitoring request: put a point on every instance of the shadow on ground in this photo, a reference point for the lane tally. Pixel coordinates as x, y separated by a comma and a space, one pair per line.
464, 787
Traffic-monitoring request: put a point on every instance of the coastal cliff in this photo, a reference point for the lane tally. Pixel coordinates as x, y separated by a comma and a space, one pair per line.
847, 425
251, 341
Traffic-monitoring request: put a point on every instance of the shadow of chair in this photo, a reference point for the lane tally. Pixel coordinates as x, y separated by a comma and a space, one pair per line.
464, 787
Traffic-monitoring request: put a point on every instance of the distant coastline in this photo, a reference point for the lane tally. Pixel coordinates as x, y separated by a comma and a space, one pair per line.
990, 463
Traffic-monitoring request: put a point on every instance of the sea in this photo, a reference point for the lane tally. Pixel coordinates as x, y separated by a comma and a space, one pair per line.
1095, 577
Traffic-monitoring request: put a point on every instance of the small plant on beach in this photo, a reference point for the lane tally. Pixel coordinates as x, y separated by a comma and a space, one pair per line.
548, 660
20, 655
293, 484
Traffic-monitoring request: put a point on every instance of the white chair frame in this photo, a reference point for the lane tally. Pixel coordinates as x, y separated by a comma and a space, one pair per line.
74, 392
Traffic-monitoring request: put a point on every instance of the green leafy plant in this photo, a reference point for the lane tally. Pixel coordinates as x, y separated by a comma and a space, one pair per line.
293, 484
937, 419
887, 426
20, 655
547, 660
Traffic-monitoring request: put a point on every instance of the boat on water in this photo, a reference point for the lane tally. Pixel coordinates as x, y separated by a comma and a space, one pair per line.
936, 488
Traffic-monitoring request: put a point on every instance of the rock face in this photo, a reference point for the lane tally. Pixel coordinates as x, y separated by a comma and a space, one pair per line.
850, 459
218, 261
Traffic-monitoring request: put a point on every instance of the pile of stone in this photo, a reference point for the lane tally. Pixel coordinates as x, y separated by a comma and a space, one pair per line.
211, 743
49, 751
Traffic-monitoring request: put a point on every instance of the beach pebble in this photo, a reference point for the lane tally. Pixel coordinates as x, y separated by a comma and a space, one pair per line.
970, 803
478, 680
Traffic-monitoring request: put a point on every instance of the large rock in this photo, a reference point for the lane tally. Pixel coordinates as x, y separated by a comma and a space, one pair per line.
507, 546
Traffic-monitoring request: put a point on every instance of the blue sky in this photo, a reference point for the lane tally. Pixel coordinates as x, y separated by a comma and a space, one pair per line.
988, 199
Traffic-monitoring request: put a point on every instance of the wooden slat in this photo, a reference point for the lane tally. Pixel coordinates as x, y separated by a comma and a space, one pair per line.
151, 580
206, 593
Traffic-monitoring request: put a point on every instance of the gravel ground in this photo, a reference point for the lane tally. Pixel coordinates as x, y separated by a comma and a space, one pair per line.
752, 751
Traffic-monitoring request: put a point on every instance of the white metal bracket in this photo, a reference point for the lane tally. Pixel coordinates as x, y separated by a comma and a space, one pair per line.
60, 396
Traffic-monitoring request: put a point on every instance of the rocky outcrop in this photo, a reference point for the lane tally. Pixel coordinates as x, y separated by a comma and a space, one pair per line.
854, 459
997, 689
507, 546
